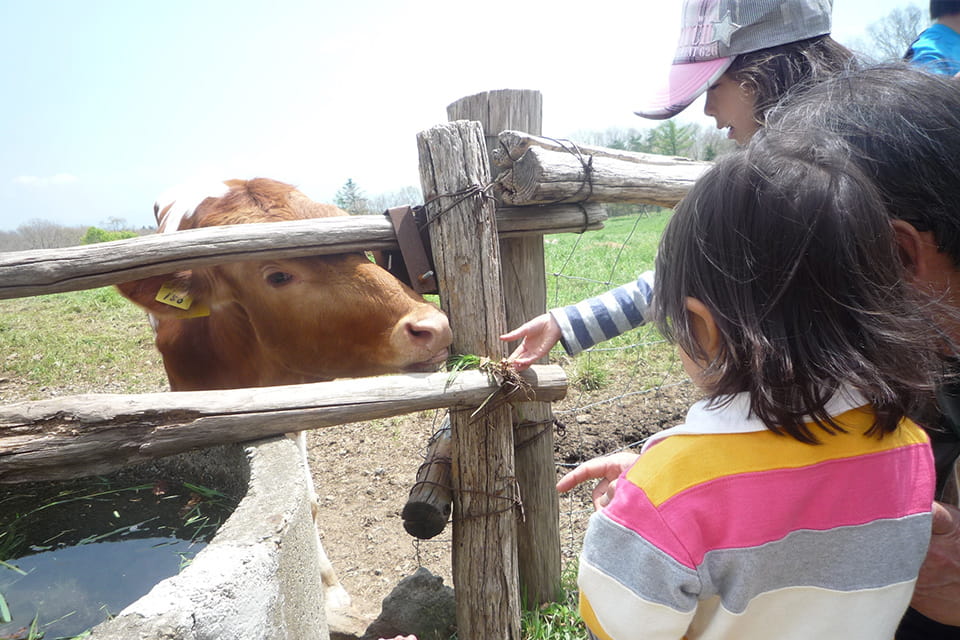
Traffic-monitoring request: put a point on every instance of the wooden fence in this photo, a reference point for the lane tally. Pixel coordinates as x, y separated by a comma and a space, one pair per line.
490, 271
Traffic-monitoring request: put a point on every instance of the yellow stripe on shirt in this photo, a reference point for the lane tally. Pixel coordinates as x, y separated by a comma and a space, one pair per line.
669, 467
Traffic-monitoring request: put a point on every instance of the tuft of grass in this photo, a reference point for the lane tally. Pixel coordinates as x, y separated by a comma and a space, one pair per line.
559, 620
589, 374
5, 616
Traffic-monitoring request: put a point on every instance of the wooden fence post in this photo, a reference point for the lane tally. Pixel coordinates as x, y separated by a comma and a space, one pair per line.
525, 296
463, 235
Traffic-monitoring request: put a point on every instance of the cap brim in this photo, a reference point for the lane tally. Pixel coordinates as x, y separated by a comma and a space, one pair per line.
684, 84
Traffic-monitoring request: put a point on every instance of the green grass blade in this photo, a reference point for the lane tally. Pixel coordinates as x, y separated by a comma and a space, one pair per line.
7, 565
4, 611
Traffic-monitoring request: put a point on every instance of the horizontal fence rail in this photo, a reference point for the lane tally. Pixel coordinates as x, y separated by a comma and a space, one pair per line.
30, 273
76, 436
540, 170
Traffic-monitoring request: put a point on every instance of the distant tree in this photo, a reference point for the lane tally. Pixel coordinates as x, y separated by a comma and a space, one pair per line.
671, 139
615, 138
351, 199
710, 143
95, 235
42, 234
114, 224
10, 241
889, 37
407, 195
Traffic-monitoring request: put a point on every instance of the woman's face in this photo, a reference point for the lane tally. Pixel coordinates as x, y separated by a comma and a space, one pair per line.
732, 106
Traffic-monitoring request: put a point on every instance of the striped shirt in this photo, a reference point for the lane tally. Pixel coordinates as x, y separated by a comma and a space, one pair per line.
724, 529
594, 320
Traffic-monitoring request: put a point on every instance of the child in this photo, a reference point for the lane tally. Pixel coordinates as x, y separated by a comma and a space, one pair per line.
767, 48
795, 501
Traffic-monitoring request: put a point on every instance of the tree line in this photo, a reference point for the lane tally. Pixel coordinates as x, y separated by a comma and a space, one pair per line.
43, 234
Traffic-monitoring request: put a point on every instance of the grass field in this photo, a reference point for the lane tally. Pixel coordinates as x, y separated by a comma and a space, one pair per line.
77, 342
581, 266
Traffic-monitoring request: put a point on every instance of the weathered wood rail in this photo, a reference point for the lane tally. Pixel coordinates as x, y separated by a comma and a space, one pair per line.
544, 171
81, 435
30, 273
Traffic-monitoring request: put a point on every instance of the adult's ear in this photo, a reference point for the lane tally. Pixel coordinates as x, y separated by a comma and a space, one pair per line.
910, 245
704, 327
920, 253
172, 295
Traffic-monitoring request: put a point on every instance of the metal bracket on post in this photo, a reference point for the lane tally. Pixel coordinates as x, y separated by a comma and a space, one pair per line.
413, 263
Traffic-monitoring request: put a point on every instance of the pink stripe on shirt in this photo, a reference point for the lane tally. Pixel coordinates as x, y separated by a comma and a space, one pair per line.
750, 509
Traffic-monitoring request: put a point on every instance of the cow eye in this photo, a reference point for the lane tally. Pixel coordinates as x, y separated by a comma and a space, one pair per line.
279, 278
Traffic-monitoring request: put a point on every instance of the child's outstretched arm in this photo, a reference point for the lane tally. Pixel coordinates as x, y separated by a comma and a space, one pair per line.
580, 326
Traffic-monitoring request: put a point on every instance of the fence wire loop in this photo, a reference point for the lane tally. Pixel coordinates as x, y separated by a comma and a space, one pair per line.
471, 191
511, 487
545, 427
586, 163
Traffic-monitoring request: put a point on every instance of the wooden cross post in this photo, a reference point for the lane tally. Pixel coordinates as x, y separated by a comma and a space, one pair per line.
525, 296
463, 235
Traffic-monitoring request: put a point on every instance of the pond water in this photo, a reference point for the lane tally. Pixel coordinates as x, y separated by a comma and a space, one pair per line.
73, 554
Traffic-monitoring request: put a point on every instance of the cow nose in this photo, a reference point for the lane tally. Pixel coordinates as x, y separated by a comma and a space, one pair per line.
430, 333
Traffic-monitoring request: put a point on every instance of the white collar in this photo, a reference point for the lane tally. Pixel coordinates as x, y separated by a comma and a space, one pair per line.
706, 417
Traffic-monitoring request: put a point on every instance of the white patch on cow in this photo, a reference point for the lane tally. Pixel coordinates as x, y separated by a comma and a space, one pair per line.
178, 203
154, 322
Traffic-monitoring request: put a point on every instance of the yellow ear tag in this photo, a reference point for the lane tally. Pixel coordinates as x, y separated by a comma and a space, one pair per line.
170, 294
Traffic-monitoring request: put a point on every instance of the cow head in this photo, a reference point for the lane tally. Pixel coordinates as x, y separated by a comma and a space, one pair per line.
282, 321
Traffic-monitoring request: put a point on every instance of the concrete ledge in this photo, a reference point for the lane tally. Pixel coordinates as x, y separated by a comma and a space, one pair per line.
259, 578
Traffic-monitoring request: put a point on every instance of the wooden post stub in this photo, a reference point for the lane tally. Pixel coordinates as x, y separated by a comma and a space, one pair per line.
428, 507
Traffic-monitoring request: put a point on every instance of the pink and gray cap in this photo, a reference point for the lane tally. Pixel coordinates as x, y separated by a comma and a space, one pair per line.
714, 32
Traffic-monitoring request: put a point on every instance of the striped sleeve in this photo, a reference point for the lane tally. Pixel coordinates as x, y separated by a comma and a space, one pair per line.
613, 313
628, 583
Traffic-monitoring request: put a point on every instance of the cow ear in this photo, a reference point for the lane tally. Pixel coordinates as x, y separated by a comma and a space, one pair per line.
173, 295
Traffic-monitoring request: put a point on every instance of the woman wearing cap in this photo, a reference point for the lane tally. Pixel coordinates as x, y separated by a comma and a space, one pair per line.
745, 54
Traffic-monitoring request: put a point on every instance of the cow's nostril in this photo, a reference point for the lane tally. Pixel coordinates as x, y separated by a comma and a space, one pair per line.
432, 333
419, 333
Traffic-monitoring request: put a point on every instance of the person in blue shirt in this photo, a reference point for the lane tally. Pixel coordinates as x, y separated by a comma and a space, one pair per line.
937, 48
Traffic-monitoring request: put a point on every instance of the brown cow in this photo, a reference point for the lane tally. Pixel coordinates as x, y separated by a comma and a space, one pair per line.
281, 321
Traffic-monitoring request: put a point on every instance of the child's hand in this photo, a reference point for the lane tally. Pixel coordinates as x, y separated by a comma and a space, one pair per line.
539, 335
606, 468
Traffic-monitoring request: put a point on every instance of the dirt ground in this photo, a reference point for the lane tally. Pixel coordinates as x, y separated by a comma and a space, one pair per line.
363, 475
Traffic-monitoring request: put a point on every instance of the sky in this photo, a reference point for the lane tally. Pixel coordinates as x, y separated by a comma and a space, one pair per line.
108, 103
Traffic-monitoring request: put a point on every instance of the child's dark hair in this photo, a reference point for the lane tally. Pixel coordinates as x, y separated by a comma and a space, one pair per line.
940, 8
769, 73
796, 259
